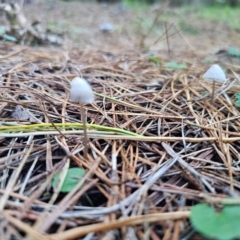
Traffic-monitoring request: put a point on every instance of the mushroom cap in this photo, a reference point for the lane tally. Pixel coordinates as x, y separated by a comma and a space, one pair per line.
106, 27
81, 91
215, 73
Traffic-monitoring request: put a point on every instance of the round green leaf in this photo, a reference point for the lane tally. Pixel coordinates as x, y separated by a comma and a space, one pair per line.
234, 52
176, 65
71, 180
9, 37
237, 103
237, 95
2, 30
223, 225
155, 59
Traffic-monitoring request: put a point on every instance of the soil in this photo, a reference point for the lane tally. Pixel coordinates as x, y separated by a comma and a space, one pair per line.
81, 22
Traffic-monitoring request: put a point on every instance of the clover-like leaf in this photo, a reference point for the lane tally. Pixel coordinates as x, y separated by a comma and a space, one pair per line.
208, 60
155, 59
176, 65
237, 103
234, 52
2, 30
71, 180
237, 96
9, 38
222, 225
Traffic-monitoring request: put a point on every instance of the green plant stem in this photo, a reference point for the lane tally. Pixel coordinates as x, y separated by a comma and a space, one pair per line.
64, 126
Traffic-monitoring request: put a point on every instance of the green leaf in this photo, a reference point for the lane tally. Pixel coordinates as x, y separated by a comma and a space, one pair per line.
185, 27
9, 38
237, 103
237, 98
176, 65
234, 52
208, 60
237, 95
223, 225
2, 30
155, 59
204, 93
71, 180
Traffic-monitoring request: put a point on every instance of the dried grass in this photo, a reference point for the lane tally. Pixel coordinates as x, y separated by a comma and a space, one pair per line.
157, 145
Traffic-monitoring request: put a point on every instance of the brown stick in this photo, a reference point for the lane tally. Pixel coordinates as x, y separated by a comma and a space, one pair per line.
128, 221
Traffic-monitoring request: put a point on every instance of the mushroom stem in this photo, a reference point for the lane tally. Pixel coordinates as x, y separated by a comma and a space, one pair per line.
213, 90
85, 138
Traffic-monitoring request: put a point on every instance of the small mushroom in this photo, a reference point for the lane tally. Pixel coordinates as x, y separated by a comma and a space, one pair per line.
81, 92
106, 27
216, 74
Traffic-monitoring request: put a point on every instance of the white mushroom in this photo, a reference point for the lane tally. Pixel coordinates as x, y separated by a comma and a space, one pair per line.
215, 73
81, 92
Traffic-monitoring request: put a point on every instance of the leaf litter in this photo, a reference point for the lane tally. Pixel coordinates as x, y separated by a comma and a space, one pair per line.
157, 143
